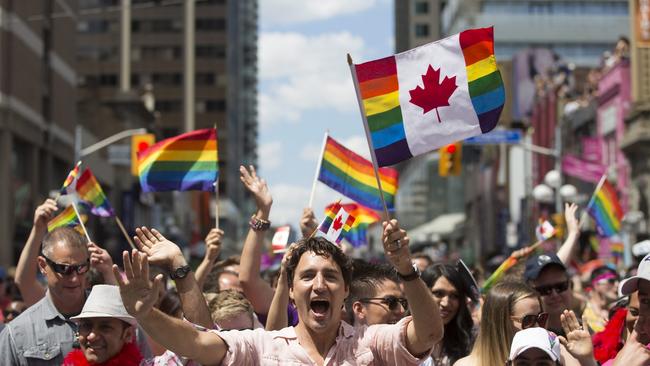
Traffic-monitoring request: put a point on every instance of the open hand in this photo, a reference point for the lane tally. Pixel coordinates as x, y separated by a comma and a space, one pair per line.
308, 222
160, 251
44, 213
578, 339
257, 187
100, 259
213, 244
139, 294
634, 353
572, 224
396, 246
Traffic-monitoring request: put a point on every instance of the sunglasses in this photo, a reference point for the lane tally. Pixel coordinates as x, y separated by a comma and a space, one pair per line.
529, 321
390, 301
548, 289
7, 313
68, 269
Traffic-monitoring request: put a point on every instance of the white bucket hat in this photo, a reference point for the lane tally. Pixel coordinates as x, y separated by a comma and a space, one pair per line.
538, 338
105, 301
630, 285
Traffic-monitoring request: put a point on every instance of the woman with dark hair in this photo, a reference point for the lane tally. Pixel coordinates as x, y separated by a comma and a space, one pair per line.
451, 294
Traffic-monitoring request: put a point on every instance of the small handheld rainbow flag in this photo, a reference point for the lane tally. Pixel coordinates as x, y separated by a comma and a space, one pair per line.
336, 224
353, 176
90, 191
70, 178
182, 163
605, 209
66, 218
364, 217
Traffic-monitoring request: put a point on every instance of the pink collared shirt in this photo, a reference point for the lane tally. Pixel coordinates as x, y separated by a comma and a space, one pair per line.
382, 344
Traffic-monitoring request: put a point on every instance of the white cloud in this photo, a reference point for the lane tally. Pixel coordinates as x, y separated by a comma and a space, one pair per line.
271, 155
293, 11
305, 73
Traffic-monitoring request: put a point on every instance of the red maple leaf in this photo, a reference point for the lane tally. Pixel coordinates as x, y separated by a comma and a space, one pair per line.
338, 223
434, 94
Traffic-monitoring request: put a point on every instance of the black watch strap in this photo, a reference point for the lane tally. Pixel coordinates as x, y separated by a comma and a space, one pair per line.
411, 276
180, 272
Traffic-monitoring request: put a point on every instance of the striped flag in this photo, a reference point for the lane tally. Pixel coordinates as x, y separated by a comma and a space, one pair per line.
544, 230
336, 224
364, 217
353, 176
66, 218
280, 239
91, 192
182, 163
430, 96
606, 210
70, 178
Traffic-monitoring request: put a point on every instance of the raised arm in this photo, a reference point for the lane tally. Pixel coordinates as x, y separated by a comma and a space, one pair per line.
426, 328
212, 250
102, 262
31, 290
139, 294
258, 291
168, 255
568, 248
278, 317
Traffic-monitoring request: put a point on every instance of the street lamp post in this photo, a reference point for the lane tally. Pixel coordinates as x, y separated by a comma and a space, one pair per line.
80, 152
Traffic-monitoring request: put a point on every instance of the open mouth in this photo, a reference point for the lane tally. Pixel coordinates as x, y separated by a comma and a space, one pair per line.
319, 307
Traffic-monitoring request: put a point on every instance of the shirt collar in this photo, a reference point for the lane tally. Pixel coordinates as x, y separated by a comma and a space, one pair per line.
50, 311
345, 331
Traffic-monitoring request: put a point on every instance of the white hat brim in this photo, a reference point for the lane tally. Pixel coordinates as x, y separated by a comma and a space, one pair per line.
526, 348
92, 314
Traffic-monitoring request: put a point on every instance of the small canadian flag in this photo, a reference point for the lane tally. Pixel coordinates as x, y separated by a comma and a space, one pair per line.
336, 224
544, 230
281, 239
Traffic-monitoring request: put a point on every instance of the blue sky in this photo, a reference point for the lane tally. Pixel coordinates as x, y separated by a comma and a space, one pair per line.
306, 88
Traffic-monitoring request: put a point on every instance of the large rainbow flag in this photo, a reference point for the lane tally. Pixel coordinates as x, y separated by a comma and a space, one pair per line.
606, 210
353, 176
430, 96
182, 163
70, 178
91, 192
364, 218
67, 217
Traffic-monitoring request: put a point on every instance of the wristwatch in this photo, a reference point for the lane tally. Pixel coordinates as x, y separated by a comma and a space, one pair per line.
411, 276
259, 224
180, 272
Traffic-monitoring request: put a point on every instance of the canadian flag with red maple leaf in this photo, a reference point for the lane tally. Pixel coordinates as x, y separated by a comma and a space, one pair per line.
419, 100
336, 224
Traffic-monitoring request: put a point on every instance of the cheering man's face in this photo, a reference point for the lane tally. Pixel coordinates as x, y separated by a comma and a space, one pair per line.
318, 290
103, 338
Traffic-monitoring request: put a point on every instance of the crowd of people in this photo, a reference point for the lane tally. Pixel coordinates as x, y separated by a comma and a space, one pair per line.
321, 307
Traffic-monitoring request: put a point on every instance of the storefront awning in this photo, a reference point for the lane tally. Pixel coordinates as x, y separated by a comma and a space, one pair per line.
440, 227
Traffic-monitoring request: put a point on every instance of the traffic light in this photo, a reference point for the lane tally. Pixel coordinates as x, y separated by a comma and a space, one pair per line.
450, 160
140, 143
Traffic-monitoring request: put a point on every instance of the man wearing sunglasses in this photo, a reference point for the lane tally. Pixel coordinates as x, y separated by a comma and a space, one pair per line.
604, 292
44, 333
375, 295
548, 276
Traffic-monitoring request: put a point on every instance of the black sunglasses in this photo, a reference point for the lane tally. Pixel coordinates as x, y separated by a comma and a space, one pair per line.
68, 269
6, 313
529, 321
390, 301
558, 287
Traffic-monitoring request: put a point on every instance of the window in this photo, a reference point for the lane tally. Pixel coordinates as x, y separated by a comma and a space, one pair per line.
167, 79
209, 24
215, 105
210, 51
169, 105
156, 26
205, 79
93, 26
421, 30
421, 7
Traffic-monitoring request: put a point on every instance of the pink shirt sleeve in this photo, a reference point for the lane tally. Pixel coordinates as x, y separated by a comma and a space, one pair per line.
388, 343
242, 345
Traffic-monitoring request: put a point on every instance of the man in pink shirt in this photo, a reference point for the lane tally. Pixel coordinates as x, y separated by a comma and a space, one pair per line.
319, 276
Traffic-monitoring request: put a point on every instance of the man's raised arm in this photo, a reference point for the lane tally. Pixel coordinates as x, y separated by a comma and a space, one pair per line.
139, 294
426, 327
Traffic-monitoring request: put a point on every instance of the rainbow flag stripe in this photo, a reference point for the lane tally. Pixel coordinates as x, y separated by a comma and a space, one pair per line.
606, 210
90, 191
364, 218
182, 163
379, 91
346, 228
70, 178
353, 176
329, 217
66, 218
498, 274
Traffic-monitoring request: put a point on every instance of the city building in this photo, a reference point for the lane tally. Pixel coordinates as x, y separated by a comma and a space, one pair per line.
417, 22
37, 112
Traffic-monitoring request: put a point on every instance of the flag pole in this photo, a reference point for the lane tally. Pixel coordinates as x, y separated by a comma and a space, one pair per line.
583, 215
126, 235
365, 127
74, 207
318, 166
216, 183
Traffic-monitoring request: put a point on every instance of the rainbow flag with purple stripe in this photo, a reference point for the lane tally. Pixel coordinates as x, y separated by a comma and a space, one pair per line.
70, 178
90, 191
430, 96
364, 217
353, 176
606, 210
182, 163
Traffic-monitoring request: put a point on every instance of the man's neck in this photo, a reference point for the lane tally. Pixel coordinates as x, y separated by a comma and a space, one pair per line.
316, 343
66, 308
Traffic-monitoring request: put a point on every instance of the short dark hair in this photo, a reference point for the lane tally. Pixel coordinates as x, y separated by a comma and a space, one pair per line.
324, 248
366, 278
67, 235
